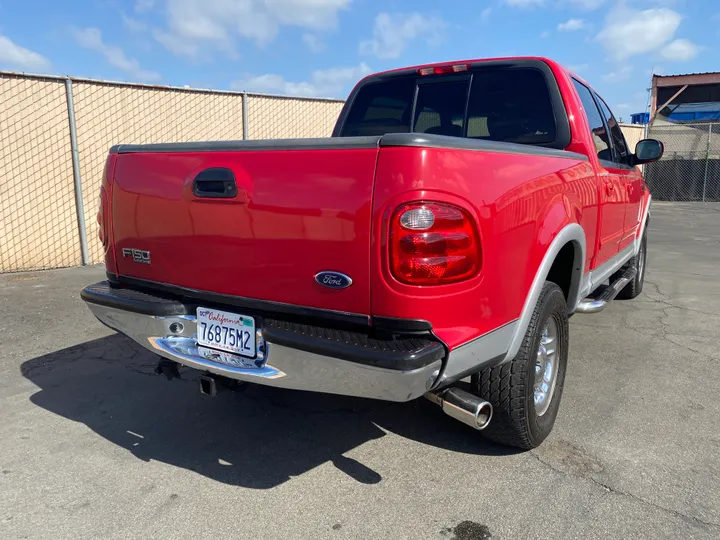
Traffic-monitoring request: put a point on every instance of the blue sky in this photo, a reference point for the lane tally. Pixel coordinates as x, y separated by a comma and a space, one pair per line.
322, 47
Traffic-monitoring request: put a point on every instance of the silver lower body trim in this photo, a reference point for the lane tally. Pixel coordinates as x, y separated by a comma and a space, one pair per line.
593, 279
275, 365
482, 352
597, 277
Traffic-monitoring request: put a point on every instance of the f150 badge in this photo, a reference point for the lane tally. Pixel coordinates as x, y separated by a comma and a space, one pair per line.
138, 255
333, 280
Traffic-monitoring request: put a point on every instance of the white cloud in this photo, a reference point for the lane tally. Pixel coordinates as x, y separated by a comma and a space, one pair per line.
193, 23
630, 32
313, 42
621, 74
571, 25
485, 14
322, 83
588, 4
545, 34
680, 50
133, 25
91, 38
578, 68
175, 44
393, 32
20, 57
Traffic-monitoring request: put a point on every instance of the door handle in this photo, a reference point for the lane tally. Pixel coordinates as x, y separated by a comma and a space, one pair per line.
215, 183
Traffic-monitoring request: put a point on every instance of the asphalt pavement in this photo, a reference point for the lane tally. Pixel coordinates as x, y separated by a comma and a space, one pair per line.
95, 444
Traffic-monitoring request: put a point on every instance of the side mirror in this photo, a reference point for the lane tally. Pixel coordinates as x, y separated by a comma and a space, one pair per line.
648, 150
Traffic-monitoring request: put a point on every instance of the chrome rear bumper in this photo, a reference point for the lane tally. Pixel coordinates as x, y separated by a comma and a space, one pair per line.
173, 337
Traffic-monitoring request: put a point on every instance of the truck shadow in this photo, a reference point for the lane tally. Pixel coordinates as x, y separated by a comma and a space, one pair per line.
256, 437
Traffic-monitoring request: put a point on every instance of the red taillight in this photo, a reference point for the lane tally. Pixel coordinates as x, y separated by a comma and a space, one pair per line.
102, 229
442, 70
433, 243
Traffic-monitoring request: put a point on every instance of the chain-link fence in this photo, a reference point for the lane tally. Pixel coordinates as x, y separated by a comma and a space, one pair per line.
282, 118
38, 223
690, 168
48, 204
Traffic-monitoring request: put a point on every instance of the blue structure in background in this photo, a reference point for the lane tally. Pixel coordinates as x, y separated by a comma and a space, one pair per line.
640, 118
685, 113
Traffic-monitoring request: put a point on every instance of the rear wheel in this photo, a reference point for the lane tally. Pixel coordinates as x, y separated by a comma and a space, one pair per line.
525, 392
635, 287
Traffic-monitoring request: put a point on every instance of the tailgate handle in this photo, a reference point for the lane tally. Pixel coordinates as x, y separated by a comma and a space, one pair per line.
215, 183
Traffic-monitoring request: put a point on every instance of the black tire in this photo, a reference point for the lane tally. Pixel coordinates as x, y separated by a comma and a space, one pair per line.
635, 287
510, 386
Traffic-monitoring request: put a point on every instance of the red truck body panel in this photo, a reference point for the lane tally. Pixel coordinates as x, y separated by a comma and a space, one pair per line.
296, 214
519, 203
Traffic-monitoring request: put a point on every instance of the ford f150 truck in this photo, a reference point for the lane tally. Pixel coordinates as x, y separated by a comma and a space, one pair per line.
434, 246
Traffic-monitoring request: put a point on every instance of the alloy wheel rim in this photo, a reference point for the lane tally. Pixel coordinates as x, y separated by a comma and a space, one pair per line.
546, 366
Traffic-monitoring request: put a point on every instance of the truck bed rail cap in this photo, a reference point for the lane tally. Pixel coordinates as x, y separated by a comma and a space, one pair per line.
425, 140
327, 143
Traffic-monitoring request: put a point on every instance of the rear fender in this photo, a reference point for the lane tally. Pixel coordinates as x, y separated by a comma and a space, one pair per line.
562, 234
553, 233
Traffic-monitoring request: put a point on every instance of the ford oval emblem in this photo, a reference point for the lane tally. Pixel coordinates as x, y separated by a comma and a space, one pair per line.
333, 280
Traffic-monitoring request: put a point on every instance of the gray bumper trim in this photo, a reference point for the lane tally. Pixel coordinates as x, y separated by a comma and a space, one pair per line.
275, 365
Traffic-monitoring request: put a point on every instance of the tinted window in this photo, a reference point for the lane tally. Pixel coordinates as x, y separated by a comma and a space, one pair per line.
382, 107
511, 105
440, 108
594, 118
620, 151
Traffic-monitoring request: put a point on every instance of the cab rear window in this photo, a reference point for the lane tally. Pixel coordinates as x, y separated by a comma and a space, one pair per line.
498, 104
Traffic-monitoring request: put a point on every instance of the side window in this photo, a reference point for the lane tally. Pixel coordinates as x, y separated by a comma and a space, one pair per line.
619, 144
595, 120
382, 107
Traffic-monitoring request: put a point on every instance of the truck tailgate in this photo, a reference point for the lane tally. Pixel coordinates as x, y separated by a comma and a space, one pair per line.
296, 212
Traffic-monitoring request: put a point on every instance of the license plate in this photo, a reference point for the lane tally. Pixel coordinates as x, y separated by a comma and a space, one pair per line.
226, 331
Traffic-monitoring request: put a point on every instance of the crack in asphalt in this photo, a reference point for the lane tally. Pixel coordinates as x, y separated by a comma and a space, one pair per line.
675, 272
669, 305
664, 333
610, 489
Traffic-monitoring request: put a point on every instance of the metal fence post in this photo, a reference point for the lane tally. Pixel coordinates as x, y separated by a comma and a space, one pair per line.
707, 161
79, 209
245, 115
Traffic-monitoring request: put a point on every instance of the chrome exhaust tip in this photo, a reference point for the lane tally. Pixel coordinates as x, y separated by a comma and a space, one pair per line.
463, 406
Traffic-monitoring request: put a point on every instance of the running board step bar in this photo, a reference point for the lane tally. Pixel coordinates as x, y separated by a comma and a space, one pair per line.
595, 305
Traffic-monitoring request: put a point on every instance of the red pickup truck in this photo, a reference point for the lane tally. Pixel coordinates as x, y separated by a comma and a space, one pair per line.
434, 246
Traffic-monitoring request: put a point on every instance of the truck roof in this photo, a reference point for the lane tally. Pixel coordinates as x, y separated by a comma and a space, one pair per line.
554, 65
549, 61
